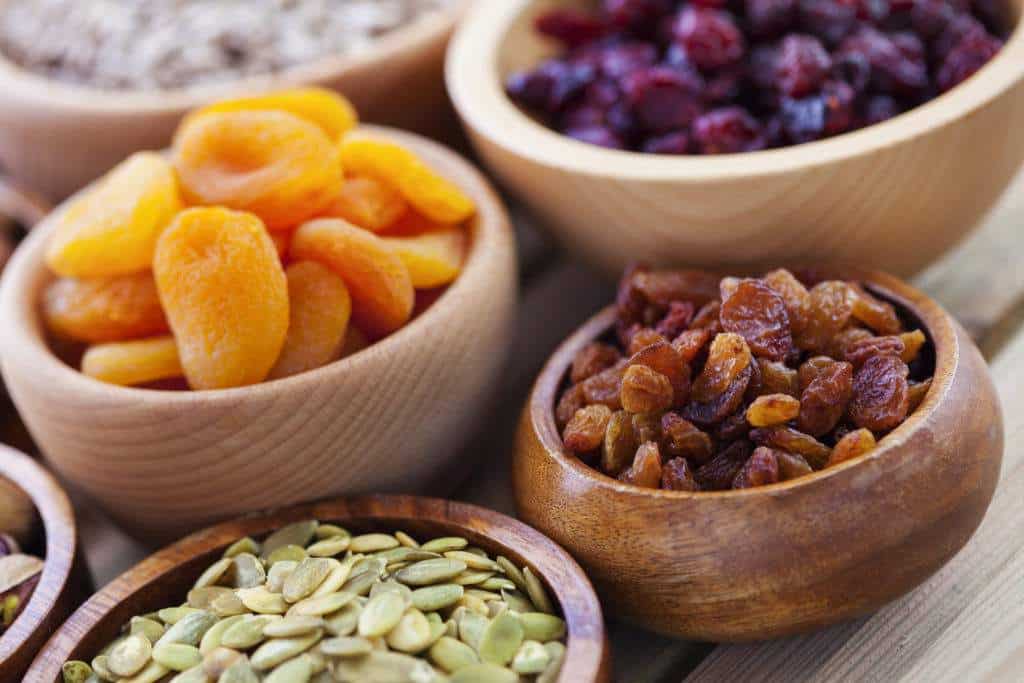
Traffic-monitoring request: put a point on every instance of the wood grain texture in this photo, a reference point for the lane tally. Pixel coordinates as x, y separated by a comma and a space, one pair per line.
164, 463
846, 199
65, 581
56, 137
164, 578
961, 625
786, 558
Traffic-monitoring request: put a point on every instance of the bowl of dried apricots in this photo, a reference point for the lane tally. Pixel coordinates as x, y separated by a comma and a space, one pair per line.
735, 459
284, 306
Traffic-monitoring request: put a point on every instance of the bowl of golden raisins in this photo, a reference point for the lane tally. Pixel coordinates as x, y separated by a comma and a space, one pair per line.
759, 456
263, 315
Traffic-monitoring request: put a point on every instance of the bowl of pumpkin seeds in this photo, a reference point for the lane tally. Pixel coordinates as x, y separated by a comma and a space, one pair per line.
372, 589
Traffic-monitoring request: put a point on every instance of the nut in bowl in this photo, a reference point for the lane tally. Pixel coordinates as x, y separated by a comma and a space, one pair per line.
758, 528
845, 199
231, 264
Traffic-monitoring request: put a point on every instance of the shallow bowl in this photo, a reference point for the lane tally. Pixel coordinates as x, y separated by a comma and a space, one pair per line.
166, 576
391, 418
895, 195
790, 557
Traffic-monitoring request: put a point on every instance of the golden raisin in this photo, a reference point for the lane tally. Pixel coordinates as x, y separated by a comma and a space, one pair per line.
97, 310
727, 358
647, 427
828, 313
433, 259
880, 316
664, 359
620, 444
852, 445
225, 295
772, 409
112, 228
791, 466
825, 398
326, 109
645, 390
776, 378
585, 431
719, 472
794, 294
432, 195
605, 387
689, 344
593, 358
644, 337
755, 312
270, 163
134, 362
368, 203
761, 468
571, 401
676, 475
861, 350
682, 439
913, 342
645, 471
793, 441
380, 285
319, 309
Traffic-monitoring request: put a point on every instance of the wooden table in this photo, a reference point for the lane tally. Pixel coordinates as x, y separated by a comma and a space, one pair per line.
965, 623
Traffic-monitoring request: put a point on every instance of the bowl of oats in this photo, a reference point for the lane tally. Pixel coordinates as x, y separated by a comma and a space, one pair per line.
86, 84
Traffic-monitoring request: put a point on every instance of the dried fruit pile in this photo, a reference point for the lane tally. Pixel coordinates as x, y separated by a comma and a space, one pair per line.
727, 76
712, 384
315, 604
19, 572
243, 256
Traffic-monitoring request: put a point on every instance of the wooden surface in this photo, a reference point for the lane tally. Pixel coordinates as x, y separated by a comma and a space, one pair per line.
163, 578
164, 463
964, 621
65, 580
843, 199
787, 558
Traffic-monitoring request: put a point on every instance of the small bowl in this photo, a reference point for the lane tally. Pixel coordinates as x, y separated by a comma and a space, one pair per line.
65, 581
391, 418
895, 195
55, 137
167, 575
790, 557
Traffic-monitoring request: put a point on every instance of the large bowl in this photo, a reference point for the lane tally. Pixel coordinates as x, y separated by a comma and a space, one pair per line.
776, 560
894, 195
391, 418
56, 137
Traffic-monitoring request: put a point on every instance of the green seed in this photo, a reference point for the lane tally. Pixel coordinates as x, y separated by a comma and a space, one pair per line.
472, 578
512, 572
369, 543
278, 574
411, 634
444, 544
346, 647
381, 614
291, 626
306, 578
535, 589
193, 675
240, 671
432, 598
452, 655
245, 634
329, 547
172, 615
516, 601
246, 571
330, 531
557, 653
360, 584
213, 573
471, 629
497, 583
384, 667
335, 578
406, 540
484, 673
501, 639
212, 638
242, 545
429, 572
76, 672
318, 607
177, 656
274, 652
344, 621
190, 629
151, 674
298, 534
297, 670
532, 658
542, 627
100, 668
147, 627
262, 601
473, 561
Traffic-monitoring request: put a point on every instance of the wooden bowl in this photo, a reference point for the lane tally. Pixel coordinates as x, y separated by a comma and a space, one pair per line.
391, 418
166, 576
790, 557
895, 195
56, 137
65, 581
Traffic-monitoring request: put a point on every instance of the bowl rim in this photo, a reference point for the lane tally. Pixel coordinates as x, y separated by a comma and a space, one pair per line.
26, 343
22, 84
936, 323
55, 511
586, 654
475, 85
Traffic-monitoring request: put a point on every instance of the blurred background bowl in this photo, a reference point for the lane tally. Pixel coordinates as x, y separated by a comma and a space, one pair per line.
896, 195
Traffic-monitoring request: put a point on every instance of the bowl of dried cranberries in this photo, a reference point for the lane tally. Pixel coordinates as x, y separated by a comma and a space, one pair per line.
741, 458
747, 132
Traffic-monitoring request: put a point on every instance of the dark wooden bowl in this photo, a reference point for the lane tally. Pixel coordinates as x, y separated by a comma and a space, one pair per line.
165, 577
772, 561
65, 582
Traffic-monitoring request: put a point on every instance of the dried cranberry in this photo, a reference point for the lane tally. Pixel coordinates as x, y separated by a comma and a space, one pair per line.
710, 37
636, 14
891, 70
571, 27
761, 66
839, 107
801, 65
803, 120
601, 136
879, 108
727, 131
852, 69
726, 86
962, 26
615, 61
972, 53
929, 18
829, 20
662, 99
671, 143
770, 18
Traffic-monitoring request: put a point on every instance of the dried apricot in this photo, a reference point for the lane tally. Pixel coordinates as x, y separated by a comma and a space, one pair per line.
585, 431
761, 468
356, 341
645, 390
319, 309
432, 195
326, 109
755, 312
594, 358
134, 362
433, 259
112, 228
97, 310
772, 409
880, 394
225, 294
645, 471
676, 475
852, 445
380, 285
282, 243
271, 163
368, 203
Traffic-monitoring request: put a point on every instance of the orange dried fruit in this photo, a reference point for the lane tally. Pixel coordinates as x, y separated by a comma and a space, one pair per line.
585, 431
134, 362
98, 310
112, 228
378, 280
853, 445
772, 409
432, 195
282, 243
225, 295
433, 259
328, 110
368, 203
411, 223
271, 163
319, 310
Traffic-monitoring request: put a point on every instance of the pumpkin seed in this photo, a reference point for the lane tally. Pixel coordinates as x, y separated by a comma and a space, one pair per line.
99, 667
330, 531
541, 626
384, 667
495, 608
381, 614
297, 534
516, 601
432, 598
172, 615
212, 638
445, 544
473, 561
227, 605
532, 658
406, 540
218, 661
535, 589
16, 569
471, 629
344, 621
318, 607
368, 543
177, 656
242, 545
297, 670
291, 626
429, 572
245, 634
203, 597
193, 675
246, 571
306, 578
472, 578
274, 652
474, 604
500, 641
287, 553
486, 596
335, 578
498, 583
76, 672
329, 547
346, 647
130, 655
512, 572
213, 573
278, 574
240, 671
152, 673
262, 601
374, 565
483, 673
393, 586
452, 655
360, 584
190, 629
147, 627
557, 653
403, 554
411, 634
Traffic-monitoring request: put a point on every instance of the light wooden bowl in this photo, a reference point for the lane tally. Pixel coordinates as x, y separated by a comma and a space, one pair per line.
896, 195
65, 581
165, 577
790, 557
391, 418
56, 137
